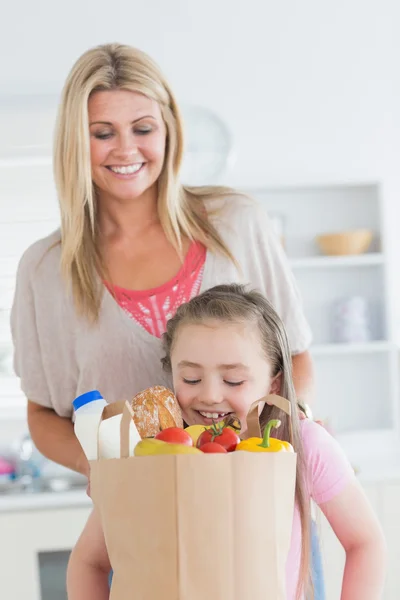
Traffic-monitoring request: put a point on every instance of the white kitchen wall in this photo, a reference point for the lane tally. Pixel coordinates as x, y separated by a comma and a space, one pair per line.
311, 89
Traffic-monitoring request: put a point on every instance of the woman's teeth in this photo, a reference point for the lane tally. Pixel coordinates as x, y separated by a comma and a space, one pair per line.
209, 415
128, 170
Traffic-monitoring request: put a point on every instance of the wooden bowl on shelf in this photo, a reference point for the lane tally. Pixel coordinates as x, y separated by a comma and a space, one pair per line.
345, 243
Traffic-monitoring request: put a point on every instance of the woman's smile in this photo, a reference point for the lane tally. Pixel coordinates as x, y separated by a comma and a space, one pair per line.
127, 171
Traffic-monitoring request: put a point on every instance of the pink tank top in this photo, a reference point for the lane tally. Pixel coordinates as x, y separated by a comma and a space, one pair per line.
152, 308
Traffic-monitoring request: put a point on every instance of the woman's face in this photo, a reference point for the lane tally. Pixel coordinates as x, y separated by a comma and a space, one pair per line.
127, 143
219, 369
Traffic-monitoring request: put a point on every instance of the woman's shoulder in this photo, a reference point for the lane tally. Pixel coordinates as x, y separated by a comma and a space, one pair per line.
41, 257
233, 208
229, 200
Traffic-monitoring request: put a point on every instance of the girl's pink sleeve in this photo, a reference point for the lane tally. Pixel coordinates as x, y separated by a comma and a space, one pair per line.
328, 469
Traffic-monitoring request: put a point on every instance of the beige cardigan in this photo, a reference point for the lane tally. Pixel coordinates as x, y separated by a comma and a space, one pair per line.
58, 355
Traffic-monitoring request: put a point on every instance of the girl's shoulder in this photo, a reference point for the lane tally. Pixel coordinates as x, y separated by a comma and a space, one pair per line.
327, 467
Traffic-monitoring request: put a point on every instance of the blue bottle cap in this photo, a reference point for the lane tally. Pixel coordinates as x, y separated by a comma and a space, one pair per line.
86, 398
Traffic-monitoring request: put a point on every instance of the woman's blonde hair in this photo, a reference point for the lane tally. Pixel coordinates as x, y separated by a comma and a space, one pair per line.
181, 209
234, 304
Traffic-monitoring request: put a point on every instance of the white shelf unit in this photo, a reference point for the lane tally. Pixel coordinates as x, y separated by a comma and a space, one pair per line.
357, 390
38, 155
356, 348
29, 211
27, 124
332, 262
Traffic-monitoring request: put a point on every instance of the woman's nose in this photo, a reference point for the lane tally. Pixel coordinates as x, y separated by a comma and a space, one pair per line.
127, 146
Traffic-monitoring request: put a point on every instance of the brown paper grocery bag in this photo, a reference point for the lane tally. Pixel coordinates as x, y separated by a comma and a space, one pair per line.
190, 527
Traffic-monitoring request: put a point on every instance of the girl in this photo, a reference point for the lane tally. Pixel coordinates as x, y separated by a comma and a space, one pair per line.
225, 348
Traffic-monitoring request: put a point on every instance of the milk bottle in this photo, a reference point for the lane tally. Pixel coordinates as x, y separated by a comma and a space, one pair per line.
95, 435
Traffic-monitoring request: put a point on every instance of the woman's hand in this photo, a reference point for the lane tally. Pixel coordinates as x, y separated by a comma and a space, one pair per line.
302, 416
83, 467
305, 413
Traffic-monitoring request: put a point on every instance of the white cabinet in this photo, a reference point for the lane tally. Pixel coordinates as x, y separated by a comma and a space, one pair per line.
24, 536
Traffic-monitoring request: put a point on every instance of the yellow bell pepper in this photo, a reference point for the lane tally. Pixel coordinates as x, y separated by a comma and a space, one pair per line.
195, 432
152, 447
267, 443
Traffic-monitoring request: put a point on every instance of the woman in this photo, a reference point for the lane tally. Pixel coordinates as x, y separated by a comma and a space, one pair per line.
92, 299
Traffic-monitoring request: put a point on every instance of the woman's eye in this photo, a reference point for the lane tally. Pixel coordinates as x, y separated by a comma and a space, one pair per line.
143, 131
102, 136
233, 383
191, 381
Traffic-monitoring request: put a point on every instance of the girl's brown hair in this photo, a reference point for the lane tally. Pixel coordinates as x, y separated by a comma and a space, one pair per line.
181, 209
233, 304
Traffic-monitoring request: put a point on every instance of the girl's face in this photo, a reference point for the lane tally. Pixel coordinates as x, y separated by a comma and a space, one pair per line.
127, 143
219, 369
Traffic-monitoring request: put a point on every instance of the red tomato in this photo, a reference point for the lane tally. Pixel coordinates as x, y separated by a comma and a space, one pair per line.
174, 435
213, 447
224, 436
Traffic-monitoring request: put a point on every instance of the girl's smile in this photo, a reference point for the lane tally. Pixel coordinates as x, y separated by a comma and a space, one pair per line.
208, 417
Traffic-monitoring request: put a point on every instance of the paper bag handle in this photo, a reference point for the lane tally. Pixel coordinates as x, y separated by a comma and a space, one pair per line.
127, 417
253, 419
110, 410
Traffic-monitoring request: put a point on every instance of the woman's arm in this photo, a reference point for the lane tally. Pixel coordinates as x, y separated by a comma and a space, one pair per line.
54, 437
89, 566
303, 377
356, 526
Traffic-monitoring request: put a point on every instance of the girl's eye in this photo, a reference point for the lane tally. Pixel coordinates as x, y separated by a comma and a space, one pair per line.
233, 383
191, 381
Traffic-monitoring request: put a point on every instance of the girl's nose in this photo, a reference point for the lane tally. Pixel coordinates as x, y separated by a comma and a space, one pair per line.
211, 395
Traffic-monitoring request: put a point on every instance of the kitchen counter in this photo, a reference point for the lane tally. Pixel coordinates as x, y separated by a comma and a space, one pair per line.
27, 501
36, 528
380, 472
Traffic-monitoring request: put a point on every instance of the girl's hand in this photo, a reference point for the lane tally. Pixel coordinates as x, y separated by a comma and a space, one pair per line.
89, 565
353, 521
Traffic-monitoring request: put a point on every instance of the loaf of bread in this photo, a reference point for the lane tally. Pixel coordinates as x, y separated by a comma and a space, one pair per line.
155, 409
